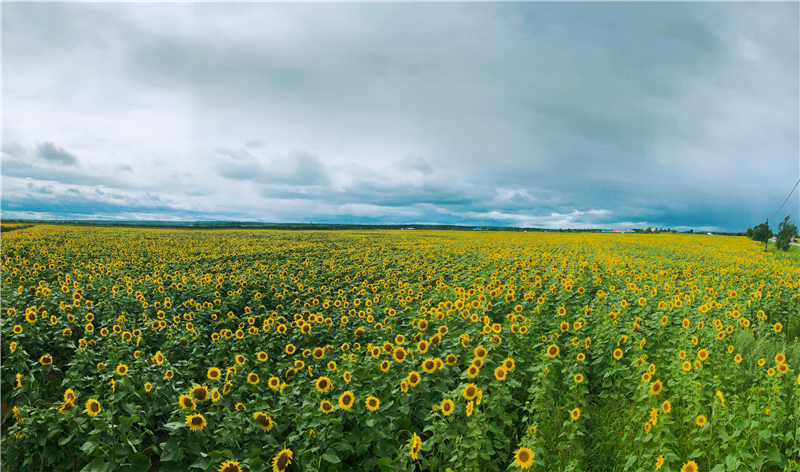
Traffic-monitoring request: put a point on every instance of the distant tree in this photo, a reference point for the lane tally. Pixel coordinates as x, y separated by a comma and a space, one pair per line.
691, 231
762, 233
749, 233
649, 229
786, 231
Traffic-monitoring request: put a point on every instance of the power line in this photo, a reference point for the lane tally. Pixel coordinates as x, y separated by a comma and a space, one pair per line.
787, 199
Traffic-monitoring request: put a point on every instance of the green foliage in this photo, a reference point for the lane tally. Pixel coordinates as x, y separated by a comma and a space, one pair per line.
786, 232
762, 233
624, 312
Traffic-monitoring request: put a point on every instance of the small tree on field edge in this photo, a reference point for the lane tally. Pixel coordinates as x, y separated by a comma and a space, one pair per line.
786, 231
762, 233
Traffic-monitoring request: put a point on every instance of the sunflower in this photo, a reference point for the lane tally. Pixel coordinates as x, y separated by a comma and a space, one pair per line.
122, 369
200, 392
447, 407
480, 352
422, 346
93, 407
213, 373
617, 354
252, 378
229, 466
264, 421
169, 374
477, 362
372, 403
783, 368
666, 407
687, 366
399, 354
552, 351
509, 364
414, 378
523, 458
148, 387
262, 356
215, 395
346, 400
241, 407
690, 466
195, 422
385, 365
575, 414
326, 406
324, 384
429, 365
656, 387
470, 391
282, 460
451, 359
347, 377
187, 402
290, 349
578, 378
46, 359
473, 371
66, 407
778, 327
415, 446
500, 373
702, 354
700, 420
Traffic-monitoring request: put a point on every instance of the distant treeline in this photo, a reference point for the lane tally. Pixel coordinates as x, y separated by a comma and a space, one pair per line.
5, 229
311, 226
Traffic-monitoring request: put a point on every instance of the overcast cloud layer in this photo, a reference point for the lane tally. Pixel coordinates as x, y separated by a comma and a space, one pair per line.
681, 115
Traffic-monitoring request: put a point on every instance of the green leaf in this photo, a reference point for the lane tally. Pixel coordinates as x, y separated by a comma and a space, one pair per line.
201, 463
775, 456
331, 457
173, 452
90, 445
630, 461
138, 463
97, 465
385, 461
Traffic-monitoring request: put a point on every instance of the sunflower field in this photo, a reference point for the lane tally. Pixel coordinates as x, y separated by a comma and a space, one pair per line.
227, 350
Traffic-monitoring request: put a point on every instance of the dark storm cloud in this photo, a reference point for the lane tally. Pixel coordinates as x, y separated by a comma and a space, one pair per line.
49, 152
549, 114
297, 168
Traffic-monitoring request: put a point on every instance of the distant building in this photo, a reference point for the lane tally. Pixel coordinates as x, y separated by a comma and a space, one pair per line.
617, 231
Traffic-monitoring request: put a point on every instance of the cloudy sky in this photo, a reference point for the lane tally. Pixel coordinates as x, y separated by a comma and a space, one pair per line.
681, 115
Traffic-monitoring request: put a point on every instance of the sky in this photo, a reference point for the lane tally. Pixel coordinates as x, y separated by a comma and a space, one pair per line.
551, 115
